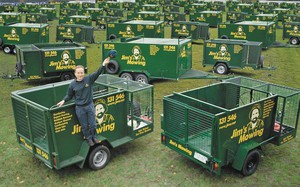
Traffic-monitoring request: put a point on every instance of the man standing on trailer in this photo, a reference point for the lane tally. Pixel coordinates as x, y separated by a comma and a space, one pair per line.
81, 88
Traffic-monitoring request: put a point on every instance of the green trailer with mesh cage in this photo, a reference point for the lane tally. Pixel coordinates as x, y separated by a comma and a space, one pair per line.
225, 54
124, 111
227, 123
195, 30
74, 33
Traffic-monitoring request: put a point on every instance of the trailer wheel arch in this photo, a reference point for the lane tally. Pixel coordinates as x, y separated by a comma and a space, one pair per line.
102, 26
112, 37
7, 49
224, 37
112, 67
294, 40
142, 78
221, 68
68, 41
66, 76
99, 157
251, 162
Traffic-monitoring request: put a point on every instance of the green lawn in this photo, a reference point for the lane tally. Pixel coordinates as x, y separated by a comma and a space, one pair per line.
146, 162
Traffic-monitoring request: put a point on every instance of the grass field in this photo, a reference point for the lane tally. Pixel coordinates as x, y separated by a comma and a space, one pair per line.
146, 162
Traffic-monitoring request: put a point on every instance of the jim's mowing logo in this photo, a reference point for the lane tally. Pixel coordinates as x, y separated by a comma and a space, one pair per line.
66, 62
68, 33
254, 128
222, 54
295, 31
136, 58
13, 35
128, 33
105, 122
183, 31
240, 34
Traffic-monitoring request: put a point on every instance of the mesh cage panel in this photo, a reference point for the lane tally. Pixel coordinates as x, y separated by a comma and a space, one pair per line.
37, 122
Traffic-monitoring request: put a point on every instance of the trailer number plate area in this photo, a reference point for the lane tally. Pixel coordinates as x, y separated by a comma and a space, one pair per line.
200, 157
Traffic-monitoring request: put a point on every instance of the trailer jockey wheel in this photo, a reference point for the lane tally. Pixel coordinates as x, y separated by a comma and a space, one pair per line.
294, 41
127, 76
251, 162
99, 157
66, 76
221, 68
6, 49
142, 78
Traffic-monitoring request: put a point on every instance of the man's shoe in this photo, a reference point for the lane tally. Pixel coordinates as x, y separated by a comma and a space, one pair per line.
90, 143
95, 140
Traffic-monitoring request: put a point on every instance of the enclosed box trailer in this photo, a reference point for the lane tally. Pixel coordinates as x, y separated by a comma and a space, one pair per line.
195, 30
36, 18
7, 18
227, 123
211, 17
291, 31
124, 111
259, 31
22, 33
76, 19
75, 33
56, 60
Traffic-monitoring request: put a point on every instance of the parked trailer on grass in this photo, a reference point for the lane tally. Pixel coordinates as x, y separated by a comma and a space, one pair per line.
7, 18
76, 19
227, 123
195, 30
258, 31
124, 111
36, 18
211, 17
56, 60
75, 33
22, 33
291, 31
146, 59
224, 54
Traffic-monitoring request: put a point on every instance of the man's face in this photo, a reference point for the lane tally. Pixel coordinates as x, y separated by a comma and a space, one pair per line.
13, 32
240, 29
223, 49
99, 111
79, 74
128, 29
66, 57
254, 115
69, 31
184, 28
136, 52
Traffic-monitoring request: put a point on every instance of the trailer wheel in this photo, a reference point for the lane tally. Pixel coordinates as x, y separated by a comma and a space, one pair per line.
261, 61
6, 49
102, 27
66, 76
208, 35
112, 37
224, 37
251, 162
99, 157
112, 67
221, 68
127, 76
14, 51
294, 41
142, 78
67, 41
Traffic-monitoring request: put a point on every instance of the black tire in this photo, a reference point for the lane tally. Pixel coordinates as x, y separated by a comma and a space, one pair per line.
182, 37
136, 108
112, 37
68, 41
294, 41
224, 37
14, 50
251, 162
142, 78
99, 157
208, 35
127, 76
66, 76
221, 68
261, 61
102, 27
1, 41
6, 49
112, 67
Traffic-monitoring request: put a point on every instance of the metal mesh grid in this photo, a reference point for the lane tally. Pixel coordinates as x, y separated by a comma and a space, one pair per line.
20, 117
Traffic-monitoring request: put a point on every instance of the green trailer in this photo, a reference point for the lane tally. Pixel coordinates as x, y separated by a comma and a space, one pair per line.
280, 12
195, 7
265, 9
124, 111
170, 8
133, 28
149, 7
71, 4
148, 15
195, 30
65, 12
291, 31
36, 18
263, 17
146, 59
225, 54
242, 7
110, 4
227, 123
170, 17
290, 18
22, 33
27, 7
217, 6
232, 16
88, 5
93, 12
76, 19
259, 31
211, 17
8, 7
51, 60
115, 12
102, 21
51, 12
74, 33
7, 18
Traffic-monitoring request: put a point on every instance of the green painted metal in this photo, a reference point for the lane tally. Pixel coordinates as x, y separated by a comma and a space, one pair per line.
259, 31
195, 7
102, 21
213, 124
24, 33
40, 61
232, 16
65, 12
232, 53
93, 12
75, 33
265, 8
170, 17
290, 18
36, 18
53, 134
196, 30
149, 7
131, 29
115, 12
263, 17
211, 17
51, 12
291, 31
242, 7
280, 12
76, 19
27, 7
148, 15
88, 5
170, 8
9, 18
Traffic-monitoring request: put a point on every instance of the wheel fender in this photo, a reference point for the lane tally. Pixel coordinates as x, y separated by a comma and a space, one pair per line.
112, 37
224, 37
221, 62
242, 153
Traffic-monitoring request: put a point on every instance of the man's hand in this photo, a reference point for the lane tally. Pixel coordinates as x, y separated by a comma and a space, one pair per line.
61, 103
106, 61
